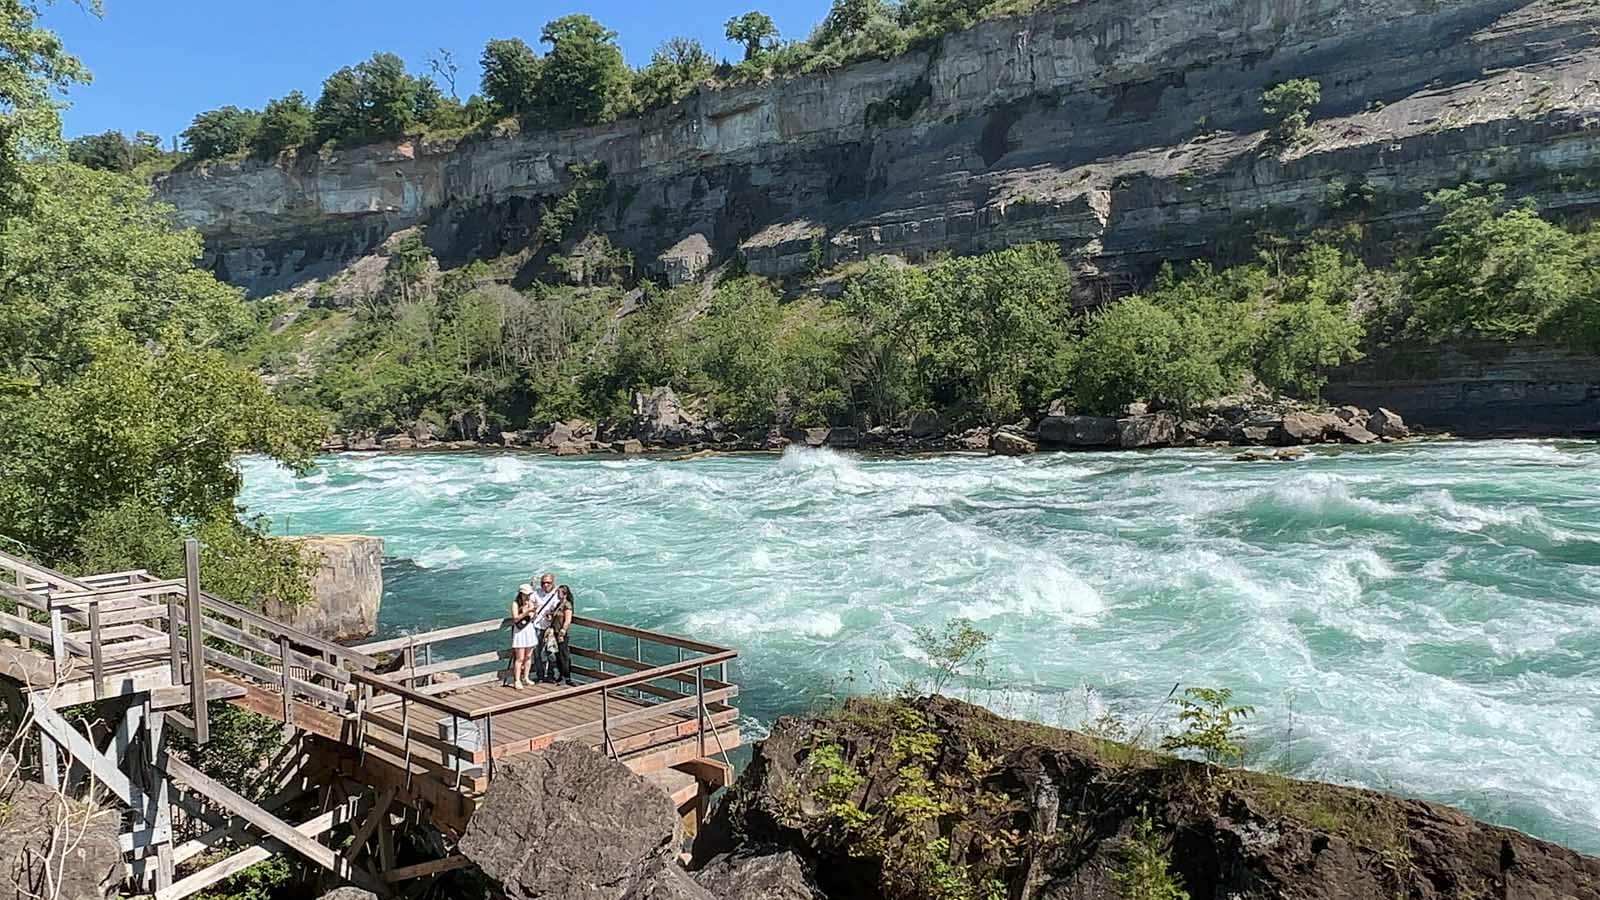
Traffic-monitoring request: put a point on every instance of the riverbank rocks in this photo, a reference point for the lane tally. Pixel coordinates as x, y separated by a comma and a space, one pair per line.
347, 587
1388, 424
1071, 806
39, 858
659, 417
923, 424
1078, 431
1008, 443
1148, 430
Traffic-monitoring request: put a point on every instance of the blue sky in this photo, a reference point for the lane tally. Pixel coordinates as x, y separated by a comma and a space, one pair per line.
158, 62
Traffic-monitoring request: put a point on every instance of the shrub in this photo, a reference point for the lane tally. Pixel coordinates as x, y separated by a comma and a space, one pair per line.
221, 132
1290, 104
1210, 725
1145, 873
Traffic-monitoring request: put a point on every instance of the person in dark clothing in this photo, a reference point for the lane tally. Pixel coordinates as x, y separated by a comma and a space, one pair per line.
561, 625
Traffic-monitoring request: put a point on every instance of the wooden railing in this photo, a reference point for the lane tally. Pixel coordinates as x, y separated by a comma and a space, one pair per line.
678, 687
104, 620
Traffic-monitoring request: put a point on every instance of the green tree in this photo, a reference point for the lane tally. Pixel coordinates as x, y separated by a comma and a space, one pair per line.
33, 67
221, 133
1290, 104
584, 80
113, 151
376, 100
511, 74
678, 67
1497, 274
286, 122
755, 31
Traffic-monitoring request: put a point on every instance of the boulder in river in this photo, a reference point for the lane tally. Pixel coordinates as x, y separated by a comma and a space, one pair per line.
347, 588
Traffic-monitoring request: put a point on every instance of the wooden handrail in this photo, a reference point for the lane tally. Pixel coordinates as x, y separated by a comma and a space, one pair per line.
652, 636
595, 687
381, 683
274, 627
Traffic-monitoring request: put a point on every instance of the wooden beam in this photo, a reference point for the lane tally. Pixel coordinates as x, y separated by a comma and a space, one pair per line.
380, 812
421, 870
103, 769
197, 646
244, 859
274, 827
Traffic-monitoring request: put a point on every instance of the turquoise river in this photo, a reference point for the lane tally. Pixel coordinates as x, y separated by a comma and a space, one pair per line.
1423, 619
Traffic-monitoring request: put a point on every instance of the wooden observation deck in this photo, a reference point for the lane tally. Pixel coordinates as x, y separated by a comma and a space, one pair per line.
377, 736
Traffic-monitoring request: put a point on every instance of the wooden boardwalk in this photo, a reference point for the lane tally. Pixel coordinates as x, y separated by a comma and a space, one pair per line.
406, 730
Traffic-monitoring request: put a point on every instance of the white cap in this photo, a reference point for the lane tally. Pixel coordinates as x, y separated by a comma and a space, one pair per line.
525, 589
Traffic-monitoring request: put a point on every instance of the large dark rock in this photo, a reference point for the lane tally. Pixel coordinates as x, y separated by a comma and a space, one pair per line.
923, 424
1305, 427
349, 893
1078, 431
660, 418
1149, 430
1388, 424
58, 849
1009, 443
1070, 803
572, 824
347, 587
759, 873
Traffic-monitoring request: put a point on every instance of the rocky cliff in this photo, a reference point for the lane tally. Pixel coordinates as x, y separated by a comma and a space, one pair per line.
1127, 132
347, 585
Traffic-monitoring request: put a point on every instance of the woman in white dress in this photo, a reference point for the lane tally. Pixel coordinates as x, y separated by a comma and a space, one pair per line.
524, 634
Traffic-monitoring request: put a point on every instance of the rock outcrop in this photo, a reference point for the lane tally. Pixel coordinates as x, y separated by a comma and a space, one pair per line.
573, 824
63, 850
1129, 132
1028, 811
347, 586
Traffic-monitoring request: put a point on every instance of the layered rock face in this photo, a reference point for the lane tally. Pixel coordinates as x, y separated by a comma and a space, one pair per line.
1128, 133
348, 587
1481, 389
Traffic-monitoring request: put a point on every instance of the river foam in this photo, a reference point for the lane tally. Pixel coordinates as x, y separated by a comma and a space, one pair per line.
1424, 619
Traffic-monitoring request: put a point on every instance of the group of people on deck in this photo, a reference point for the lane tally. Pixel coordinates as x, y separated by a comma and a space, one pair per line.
541, 620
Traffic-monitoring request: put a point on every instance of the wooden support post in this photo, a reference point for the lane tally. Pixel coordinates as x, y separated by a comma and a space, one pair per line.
49, 761
700, 705
80, 750
420, 870
173, 638
162, 801
58, 641
22, 639
378, 818
97, 653
197, 646
386, 854
288, 685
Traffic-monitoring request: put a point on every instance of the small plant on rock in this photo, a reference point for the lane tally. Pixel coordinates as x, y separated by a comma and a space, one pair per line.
1210, 725
1145, 873
951, 651
1290, 105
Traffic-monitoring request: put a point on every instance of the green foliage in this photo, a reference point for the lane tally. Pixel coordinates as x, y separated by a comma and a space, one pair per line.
1210, 725
113, 151
1145, 872
221, 133
583, 80
755, 31
1290, 104
33, 66
1505, 274
676, 70
275, 878
950, 651
287, 122
577, 205
511, 76
376, 100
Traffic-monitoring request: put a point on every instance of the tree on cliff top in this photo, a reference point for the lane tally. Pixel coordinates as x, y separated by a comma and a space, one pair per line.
113, 151
376, 100
755, 31
286, 122
584, 80
511, 72
220, 133
678, 67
